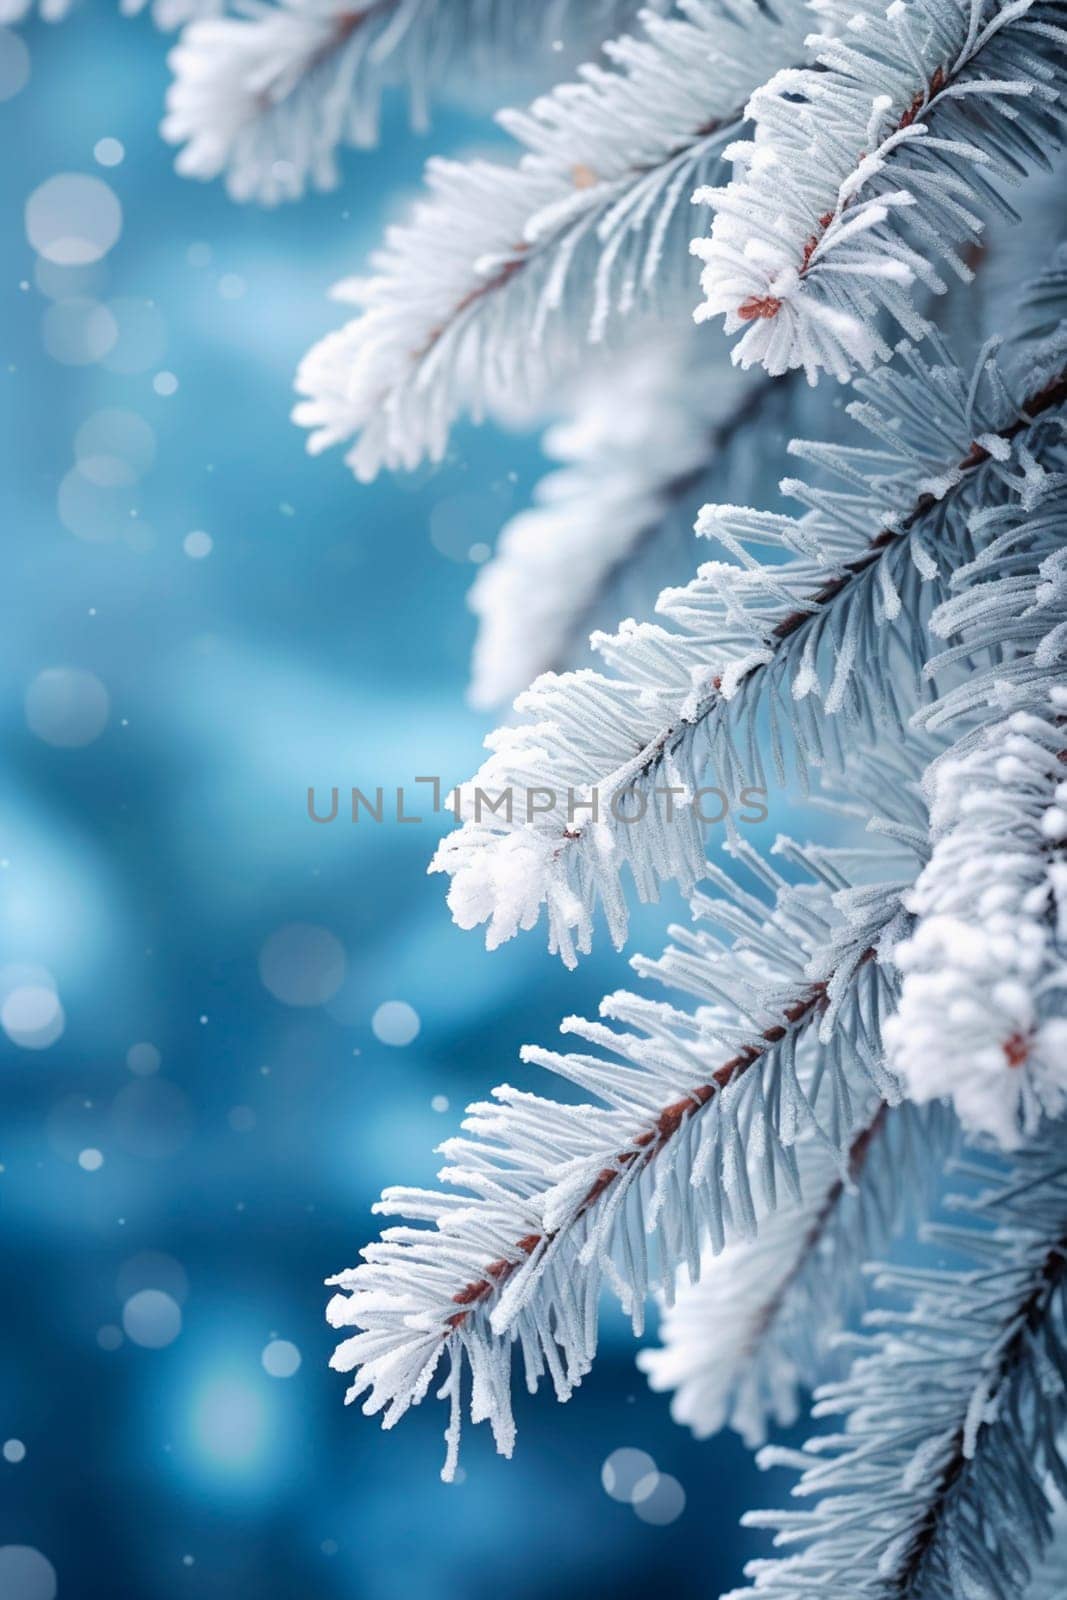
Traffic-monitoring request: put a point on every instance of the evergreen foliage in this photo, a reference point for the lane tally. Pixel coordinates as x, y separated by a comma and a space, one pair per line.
884, 631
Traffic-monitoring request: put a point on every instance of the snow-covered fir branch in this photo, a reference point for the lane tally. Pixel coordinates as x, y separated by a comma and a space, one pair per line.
989, 950
608, 771
935, 1486
1048, 1579
529, 261
663, 426
647, 429
268, 98
759, 1323
691, 1135
868, 170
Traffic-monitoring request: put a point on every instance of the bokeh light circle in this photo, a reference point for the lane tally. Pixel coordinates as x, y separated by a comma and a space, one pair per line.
67, 707
72, 283
395, 1022
25, 1574
114, 447
302, 964
73, 219
32, 1016
152, 1319
14, 64
152, 1269
98, 513
143, 1059
658, 1499
623, 1470
109, 152
281, 1358
198, 544
78, 331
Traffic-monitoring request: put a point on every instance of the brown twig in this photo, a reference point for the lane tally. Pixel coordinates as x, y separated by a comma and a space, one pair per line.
857, 1156
1054, 393
645, 1145
759, 307
583, 177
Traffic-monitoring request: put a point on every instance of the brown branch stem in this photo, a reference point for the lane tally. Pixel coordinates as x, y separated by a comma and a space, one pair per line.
645, 1146
1027, 1322
857, 1157
1054, 393
765, 306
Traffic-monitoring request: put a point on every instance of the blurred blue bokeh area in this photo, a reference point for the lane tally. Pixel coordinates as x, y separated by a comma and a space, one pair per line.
170, 1212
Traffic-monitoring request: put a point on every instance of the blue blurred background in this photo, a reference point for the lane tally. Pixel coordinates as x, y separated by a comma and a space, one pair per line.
198, 1106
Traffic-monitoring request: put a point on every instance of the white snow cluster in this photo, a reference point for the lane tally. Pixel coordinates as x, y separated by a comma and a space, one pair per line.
983, 1009
507, 886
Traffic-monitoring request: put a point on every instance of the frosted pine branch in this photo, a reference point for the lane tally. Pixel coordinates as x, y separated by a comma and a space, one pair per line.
934, 1487
868, 565
861, 177
760, 1321
270, 97
1049, 1575
1015, 593
557, 1199
665, 425
531, 260
646, 431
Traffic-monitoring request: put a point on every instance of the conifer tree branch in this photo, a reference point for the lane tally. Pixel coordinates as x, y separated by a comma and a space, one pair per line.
935, 1486
588, 229
267, 99
567, 1196
1045, 1281
863, 173
661, 428
649, 434
643, 1149
1048, 1580
760, 1322
678, 698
